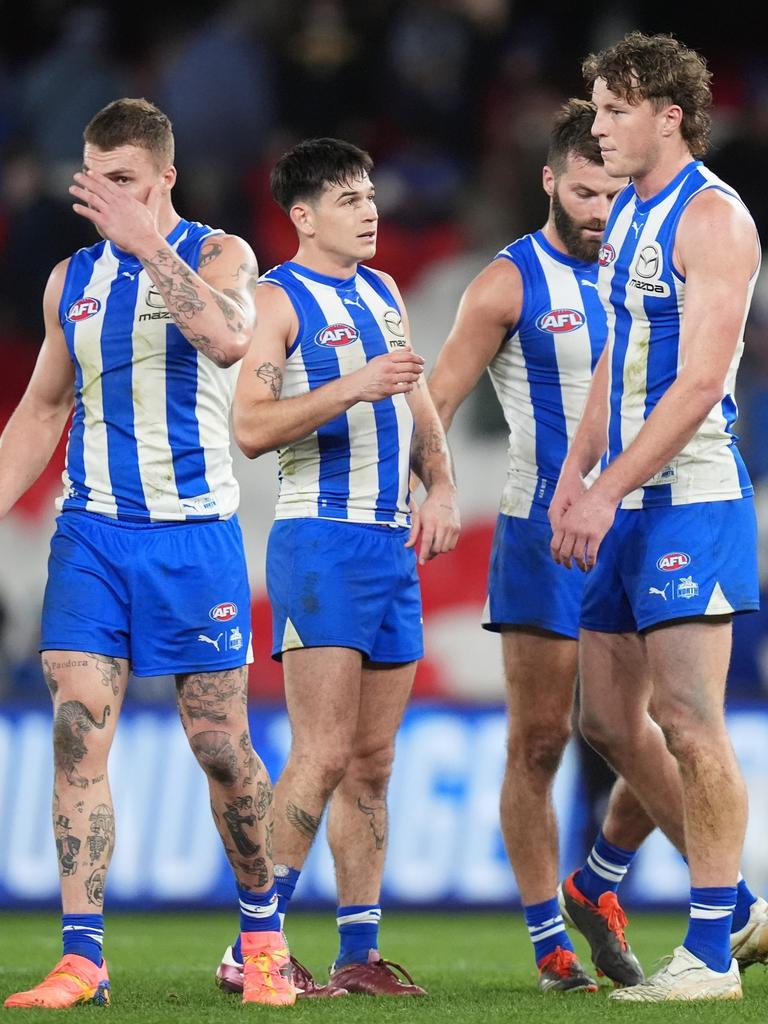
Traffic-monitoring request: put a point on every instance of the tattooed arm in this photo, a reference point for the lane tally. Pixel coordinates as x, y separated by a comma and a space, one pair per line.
262, 423
214, 306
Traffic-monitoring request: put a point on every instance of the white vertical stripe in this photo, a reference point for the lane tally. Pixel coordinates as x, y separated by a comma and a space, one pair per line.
299, 462
404, 417
87, 346
361, 419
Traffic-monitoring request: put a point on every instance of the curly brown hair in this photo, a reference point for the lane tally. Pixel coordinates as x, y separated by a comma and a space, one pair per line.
572, 133
132, 122
662, 70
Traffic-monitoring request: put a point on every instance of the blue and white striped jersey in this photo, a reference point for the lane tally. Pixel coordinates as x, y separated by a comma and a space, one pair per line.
543, 369
356, 466
644, 295
149, 439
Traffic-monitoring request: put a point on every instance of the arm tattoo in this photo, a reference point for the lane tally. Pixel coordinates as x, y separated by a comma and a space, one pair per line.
70, 725
208, 254
302, 821
425, 447
273, 376
376, 806
50, 679
251, 272
174, 278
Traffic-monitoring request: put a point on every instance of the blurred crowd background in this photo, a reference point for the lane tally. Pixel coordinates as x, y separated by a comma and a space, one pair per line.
454, 99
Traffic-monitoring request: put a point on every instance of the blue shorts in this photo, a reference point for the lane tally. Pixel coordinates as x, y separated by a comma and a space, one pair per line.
525, 586
673, 562
170, 598
334, 584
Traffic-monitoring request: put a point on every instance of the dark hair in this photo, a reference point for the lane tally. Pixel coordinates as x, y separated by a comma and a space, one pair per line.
572, 133
132, 122
306, 169
662, 70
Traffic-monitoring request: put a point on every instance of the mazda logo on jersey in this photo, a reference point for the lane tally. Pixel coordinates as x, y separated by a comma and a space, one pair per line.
560, 321
648, 262
82, 309
337, 335
607, 254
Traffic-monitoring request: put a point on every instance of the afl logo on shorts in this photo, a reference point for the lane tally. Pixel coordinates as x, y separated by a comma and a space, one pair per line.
607, 254
82, 309
673, 561
223, 612
337, 335
560, 321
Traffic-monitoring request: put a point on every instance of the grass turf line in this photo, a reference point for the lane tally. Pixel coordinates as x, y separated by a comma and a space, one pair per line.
477, 968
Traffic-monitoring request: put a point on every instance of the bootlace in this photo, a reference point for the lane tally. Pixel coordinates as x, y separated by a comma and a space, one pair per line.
608, 907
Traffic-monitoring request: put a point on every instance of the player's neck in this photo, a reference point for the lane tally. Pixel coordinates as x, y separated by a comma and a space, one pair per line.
167, 219
551, 234
666, 169
329, 264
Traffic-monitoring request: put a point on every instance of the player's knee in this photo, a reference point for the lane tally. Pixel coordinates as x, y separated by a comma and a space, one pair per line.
372, 768
216, 754
597, 732
538, 750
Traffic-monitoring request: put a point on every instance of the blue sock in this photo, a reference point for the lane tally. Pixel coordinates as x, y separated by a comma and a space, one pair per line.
358, 932
744, 900
546, 928
604, 870
709, 929
83, 934
285, 882
258, 911
284, 886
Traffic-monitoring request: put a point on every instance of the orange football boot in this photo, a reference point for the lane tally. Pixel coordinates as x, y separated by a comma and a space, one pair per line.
267, 969
74, 979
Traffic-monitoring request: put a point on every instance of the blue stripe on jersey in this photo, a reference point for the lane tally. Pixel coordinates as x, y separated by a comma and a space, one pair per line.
547, 401
333, 436
78, 275
622, 327
181, 372
116, 390
374, 344
594, 312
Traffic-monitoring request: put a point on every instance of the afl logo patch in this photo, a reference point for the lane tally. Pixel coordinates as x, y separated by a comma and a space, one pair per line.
560, 321
606, 255
82, 309
337, 335
223, 612
673, 561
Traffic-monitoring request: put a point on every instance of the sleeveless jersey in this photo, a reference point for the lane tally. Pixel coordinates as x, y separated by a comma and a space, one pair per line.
543, 369
150, 433
355, 467
644, 296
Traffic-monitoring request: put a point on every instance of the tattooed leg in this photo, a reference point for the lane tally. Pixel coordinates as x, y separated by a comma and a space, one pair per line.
357, 818
322, 689
214, 712
87, 691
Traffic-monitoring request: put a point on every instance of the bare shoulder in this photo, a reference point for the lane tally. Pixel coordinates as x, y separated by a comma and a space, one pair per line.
497, 291
716, 214
227, 247
54, 288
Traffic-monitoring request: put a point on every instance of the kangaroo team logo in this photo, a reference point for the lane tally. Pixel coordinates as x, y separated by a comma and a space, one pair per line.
560, 321
337, 335
83, 309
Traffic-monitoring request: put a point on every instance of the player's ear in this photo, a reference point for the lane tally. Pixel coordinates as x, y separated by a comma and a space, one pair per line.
168, 179
548, 180
302, 216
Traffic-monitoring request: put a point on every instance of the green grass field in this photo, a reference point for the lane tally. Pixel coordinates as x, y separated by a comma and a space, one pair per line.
476, 967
